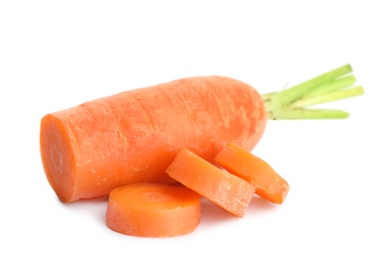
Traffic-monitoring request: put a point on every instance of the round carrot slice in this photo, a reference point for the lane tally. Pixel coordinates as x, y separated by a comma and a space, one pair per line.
153, 210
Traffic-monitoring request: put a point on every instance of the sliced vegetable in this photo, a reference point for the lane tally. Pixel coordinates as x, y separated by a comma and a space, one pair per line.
226, 190
269, 184
153, 210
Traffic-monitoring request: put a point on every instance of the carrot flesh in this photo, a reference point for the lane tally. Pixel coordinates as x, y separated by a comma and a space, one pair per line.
153, 210
131, 137
269, 184
226, 190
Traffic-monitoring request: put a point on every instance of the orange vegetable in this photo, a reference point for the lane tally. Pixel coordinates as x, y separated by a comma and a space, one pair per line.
222, 188
153, 210
269, 184
132, 137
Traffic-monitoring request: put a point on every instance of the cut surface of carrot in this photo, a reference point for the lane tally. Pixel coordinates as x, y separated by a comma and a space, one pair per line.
226, 190
269, 184
153, 210
132, 137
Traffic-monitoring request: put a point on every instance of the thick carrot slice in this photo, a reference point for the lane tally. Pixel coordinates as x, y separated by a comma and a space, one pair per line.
269, 184
132, 137
222, 188
153, 210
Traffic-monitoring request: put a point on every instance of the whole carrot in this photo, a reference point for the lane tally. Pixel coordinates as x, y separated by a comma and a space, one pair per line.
133, 136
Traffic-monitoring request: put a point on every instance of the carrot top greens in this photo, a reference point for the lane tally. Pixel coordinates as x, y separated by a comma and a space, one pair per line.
294, 102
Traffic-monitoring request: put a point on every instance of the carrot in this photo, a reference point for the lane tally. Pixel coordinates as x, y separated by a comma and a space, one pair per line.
131, 137
153, 210
228, 191
269, 184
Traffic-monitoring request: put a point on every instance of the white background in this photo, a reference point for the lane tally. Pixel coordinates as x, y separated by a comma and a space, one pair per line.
57, 54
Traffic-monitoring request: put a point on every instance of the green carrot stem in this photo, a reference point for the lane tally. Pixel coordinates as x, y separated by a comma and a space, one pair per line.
332, 86
300, 113
289, 95
292, 103
333, 96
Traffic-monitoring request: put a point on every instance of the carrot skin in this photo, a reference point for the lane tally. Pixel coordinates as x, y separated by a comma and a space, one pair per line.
153, 210
132, 137
228, 191
269, 184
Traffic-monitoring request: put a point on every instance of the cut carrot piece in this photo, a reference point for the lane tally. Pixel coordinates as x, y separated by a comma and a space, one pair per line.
269, 184
153, 210
133, 136
222, 188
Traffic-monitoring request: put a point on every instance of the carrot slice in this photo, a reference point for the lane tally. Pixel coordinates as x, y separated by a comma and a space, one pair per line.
269, 184
222, 188
153, 210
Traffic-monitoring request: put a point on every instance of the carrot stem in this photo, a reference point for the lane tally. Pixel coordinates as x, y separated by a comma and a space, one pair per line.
332, 86
299, 113
333, 96
293, 103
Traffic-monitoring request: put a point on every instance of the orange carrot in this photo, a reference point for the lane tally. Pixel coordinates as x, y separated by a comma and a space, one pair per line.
222, 188
269, 184
153, 210
132, 137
